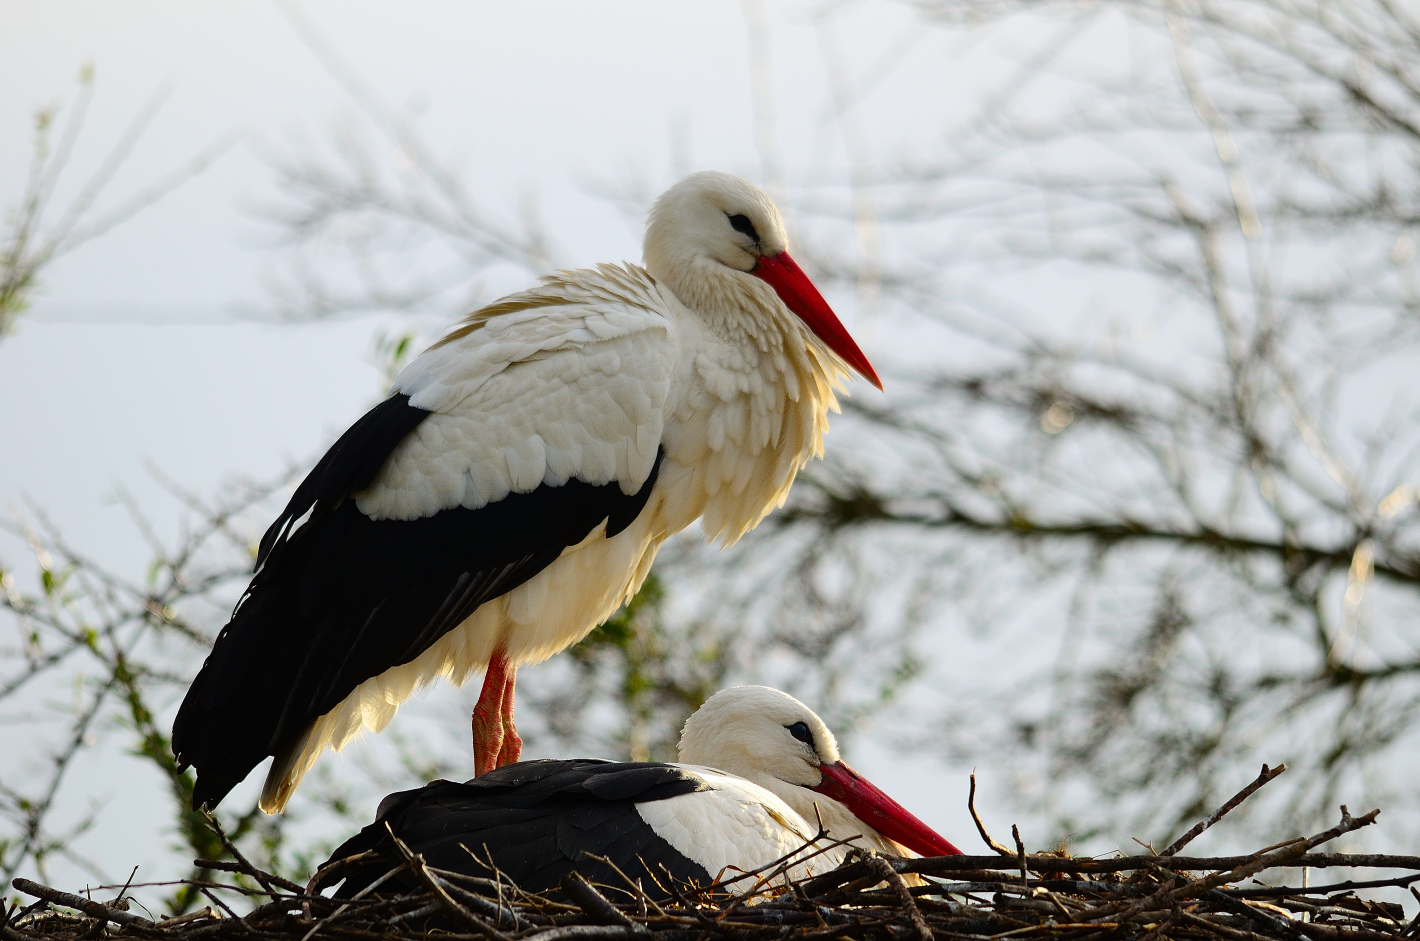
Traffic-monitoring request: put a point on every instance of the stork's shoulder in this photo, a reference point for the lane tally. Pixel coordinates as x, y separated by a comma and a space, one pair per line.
568, 380
568, 311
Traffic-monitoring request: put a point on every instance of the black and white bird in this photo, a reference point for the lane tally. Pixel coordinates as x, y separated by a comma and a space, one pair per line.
512, 491
760, 772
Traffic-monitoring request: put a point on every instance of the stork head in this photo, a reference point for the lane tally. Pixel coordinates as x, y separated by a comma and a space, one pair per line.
717, 241
769, 737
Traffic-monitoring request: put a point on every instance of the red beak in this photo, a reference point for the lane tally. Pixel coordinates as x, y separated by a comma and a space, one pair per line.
799, 295
881, 812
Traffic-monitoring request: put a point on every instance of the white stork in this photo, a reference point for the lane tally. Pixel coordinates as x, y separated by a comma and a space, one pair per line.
761, 773
512, 491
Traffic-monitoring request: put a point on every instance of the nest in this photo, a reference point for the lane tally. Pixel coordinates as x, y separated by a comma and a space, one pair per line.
1011, 894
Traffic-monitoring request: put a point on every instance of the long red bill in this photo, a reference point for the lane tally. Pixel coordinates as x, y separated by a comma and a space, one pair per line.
798, 293
881, 812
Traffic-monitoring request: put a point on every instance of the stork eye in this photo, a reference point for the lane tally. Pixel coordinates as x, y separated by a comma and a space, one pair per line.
800, 730
742, 224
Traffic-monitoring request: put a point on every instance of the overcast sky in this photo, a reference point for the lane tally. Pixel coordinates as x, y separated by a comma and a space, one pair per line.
148, 329
148, 345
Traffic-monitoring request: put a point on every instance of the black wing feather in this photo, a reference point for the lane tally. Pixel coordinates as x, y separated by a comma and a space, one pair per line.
338, 597
537, 820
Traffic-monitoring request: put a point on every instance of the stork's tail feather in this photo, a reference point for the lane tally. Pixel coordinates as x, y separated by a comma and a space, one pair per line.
291, 764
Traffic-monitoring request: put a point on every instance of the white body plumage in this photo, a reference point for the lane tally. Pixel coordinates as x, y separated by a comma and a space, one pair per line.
767, 796
737, 826
587, 377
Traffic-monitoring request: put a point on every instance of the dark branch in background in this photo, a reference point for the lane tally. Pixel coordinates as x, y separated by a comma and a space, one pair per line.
1163, 445
1208, 491
117, 638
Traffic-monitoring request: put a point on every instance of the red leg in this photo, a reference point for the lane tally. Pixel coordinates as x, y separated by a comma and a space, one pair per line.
488, 714
512, 749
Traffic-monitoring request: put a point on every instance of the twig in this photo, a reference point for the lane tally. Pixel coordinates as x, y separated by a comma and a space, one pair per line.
319, 876
243, 867
904, 895
266, 880
218, 902
421, 872
594, 904
1348, 886
866, 897
87, 906
1264, 777
981, 827
1020, 851
934, 865
1287, 856
1414, 922
355, 898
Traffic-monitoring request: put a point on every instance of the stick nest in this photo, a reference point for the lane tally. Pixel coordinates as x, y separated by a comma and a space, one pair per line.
1006, 895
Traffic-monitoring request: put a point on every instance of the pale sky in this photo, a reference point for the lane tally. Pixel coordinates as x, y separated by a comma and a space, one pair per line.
154, 344
140, 347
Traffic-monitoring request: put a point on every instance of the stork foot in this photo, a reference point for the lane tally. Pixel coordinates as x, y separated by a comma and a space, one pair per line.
495, 738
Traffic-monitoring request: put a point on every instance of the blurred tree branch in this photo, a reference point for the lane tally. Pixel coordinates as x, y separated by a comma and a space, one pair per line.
1209, 470
115, 637
29, 244
1142, 505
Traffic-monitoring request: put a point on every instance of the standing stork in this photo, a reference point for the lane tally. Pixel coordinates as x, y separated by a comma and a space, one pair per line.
762, 776
512, 491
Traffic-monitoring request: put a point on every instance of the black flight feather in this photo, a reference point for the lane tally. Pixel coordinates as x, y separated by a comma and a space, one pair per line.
338, 597
537, 820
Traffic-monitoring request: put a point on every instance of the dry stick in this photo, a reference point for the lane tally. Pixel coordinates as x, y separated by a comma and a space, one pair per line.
1328, 933
595, 905
1224, 930
1020, 852
633, 887
1267, 775
200, 914
1286, 855
1239, 907
267, 881
498, 911
1414, 922
244, 868
415, 861
355, 898
87, 906
218, 902
1164, 924
904, 895
335, 866
981, 827
938, 865
1398, 882
581, 933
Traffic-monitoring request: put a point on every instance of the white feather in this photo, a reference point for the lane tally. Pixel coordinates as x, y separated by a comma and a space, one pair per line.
735, 827
585, 377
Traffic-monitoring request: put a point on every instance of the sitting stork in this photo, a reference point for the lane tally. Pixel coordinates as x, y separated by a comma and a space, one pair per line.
762, 773
512, 491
